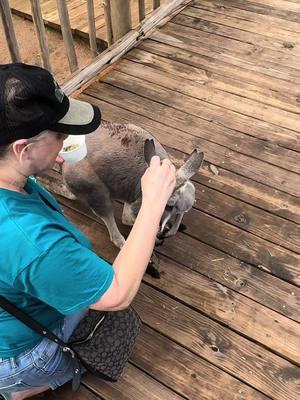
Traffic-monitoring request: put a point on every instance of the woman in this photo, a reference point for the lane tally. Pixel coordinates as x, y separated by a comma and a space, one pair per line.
47, 266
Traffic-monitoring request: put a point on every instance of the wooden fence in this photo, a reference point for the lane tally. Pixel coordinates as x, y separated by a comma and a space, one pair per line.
120, 33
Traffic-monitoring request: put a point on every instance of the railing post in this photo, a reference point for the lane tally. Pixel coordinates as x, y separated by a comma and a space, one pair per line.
156, 4
40, 30
142, 11
92, 28
121, 18
9, 31
107, 17
67, 34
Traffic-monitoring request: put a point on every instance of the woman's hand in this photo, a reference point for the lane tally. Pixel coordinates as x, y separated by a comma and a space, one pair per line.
158, 183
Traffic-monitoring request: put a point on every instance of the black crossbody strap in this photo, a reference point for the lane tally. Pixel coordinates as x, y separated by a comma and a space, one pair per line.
43, 331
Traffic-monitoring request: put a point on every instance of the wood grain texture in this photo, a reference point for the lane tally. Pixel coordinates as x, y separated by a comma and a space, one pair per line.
217, 344
9, 31
153, 102
234, 184
275, 331
134, 384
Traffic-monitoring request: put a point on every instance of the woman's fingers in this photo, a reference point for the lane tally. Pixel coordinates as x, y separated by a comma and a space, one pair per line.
155, 161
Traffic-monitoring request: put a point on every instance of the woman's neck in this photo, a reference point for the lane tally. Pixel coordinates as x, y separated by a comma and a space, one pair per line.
12, 179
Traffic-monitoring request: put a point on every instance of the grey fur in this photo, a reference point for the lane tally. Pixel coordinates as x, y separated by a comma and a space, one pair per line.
113, 169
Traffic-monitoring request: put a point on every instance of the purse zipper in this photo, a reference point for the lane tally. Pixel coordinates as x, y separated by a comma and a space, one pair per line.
91, 334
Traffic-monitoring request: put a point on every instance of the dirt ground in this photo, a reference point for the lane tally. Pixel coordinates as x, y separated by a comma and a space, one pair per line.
30, 52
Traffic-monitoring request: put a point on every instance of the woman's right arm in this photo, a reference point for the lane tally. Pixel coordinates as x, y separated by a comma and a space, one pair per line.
158, 184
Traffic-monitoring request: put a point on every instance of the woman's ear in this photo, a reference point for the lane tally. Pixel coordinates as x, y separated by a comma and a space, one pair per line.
19, 148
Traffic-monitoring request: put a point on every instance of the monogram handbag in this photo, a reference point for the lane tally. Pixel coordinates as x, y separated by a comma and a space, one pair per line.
102, 342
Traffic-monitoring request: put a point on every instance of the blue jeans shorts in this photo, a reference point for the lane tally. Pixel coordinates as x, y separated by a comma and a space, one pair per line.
44, 365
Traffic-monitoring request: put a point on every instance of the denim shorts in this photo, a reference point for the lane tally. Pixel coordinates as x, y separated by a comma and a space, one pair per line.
43, 365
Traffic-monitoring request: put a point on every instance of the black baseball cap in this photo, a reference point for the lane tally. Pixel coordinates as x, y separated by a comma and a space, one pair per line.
31, 101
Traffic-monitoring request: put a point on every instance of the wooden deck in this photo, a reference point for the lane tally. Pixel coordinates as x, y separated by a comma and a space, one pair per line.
222, 323
78, 15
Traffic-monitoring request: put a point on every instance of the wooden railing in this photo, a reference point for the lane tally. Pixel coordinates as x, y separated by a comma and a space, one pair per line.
121, 35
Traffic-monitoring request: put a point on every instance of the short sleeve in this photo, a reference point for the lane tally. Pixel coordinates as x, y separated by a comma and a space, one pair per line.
68, 277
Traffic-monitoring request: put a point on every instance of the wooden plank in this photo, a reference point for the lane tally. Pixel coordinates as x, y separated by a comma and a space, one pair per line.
222, 77
186, 373
229, 127
243, 40
214, 54
277, 35
274, 331
92, 28
9, 31
218, 265
266, 9
156, 4
255, 58
218, 105
20, 7
261, 223
226, 14
108, 22
67, 34
79, 16
52, 14
162, 46
142, 10
217, 344
65, 393
121, 18
133, 384
244, 246
233, 28
280, 4
228, 182
226, 158
41, 33
229, 271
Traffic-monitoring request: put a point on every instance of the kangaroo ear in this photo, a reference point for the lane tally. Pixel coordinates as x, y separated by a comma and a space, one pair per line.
149, 150
189, 168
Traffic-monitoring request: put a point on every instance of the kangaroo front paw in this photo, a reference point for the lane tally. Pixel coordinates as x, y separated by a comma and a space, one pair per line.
119, 241
152, 270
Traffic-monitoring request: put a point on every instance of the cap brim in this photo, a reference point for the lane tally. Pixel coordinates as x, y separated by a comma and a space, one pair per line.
82, 118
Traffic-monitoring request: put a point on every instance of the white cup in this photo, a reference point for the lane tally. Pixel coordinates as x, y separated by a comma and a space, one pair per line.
78, 153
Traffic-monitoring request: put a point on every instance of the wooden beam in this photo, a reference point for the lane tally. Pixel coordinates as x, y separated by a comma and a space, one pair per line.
156, 4
108, 23
92, 27
9, 31
142, 10
41, 33
67, 34
131, 39
120, 17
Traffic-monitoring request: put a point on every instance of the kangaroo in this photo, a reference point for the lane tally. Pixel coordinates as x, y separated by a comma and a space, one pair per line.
117, 157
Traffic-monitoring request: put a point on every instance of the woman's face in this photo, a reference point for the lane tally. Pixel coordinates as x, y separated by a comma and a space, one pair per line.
44, 152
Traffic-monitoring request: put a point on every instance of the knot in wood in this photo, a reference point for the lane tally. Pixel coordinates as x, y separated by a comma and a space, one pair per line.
241, 219
215, 348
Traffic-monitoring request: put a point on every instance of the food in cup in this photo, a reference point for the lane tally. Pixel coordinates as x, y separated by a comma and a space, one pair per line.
71, 147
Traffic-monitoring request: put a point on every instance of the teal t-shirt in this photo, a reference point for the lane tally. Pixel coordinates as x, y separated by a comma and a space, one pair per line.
47, 267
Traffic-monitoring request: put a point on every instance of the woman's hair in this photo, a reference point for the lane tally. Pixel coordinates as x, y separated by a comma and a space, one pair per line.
5, 148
